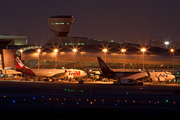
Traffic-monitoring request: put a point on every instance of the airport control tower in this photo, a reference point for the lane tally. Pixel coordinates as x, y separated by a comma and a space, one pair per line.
61, 25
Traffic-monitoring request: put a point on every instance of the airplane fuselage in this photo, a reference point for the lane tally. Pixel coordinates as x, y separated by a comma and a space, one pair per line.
154, 76
74, 73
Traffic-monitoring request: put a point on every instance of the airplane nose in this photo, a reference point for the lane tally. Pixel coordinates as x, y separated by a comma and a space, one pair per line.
173, 77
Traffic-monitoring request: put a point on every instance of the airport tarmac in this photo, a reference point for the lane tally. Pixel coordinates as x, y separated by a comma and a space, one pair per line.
67, 100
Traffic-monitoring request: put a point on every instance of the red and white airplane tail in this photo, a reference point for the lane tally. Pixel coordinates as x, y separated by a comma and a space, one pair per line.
21, 66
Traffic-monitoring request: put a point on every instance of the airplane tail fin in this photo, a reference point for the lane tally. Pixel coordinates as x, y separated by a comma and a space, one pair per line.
19, 64
104, 68
22, 67
148, 73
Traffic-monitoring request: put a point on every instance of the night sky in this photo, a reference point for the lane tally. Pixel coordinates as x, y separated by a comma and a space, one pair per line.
132, 21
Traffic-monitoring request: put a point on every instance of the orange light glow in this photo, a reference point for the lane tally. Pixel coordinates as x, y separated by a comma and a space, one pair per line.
105, 50
55, 50
172, 50
123, 50
38, 50
74, 50
143, 49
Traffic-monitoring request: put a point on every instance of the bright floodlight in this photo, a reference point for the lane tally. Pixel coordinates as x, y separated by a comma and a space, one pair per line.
143, 49
39, 50
105, 50
55, 50
21, 50
74, 50
172, 50
123, 50
166, 43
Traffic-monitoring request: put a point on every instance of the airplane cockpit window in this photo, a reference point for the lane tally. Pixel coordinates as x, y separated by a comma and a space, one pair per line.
168, 73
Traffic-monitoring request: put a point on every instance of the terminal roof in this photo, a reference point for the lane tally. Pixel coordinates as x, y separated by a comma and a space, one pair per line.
62, 16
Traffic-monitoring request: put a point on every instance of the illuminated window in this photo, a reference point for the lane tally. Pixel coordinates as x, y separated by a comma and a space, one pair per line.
61, 43
55, 23
82, 43
79, 43
70, 43
65, 43
177, 75
60, 23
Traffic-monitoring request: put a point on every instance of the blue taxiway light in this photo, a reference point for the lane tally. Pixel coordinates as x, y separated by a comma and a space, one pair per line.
24, 99
14, 101
33, 98
42, 96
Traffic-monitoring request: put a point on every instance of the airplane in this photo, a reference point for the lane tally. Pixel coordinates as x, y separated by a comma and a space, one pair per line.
154, 77
48, 73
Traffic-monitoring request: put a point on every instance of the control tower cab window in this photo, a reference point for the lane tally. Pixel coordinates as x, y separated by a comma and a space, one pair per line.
60, 23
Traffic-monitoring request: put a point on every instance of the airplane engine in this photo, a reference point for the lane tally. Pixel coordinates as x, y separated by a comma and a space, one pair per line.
155, 79
161, 79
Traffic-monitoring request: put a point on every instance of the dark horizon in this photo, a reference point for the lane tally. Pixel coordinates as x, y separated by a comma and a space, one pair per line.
132, 21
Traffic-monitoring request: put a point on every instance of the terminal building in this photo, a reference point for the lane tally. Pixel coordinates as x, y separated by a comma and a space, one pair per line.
83, 52
62, 51
9, 45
